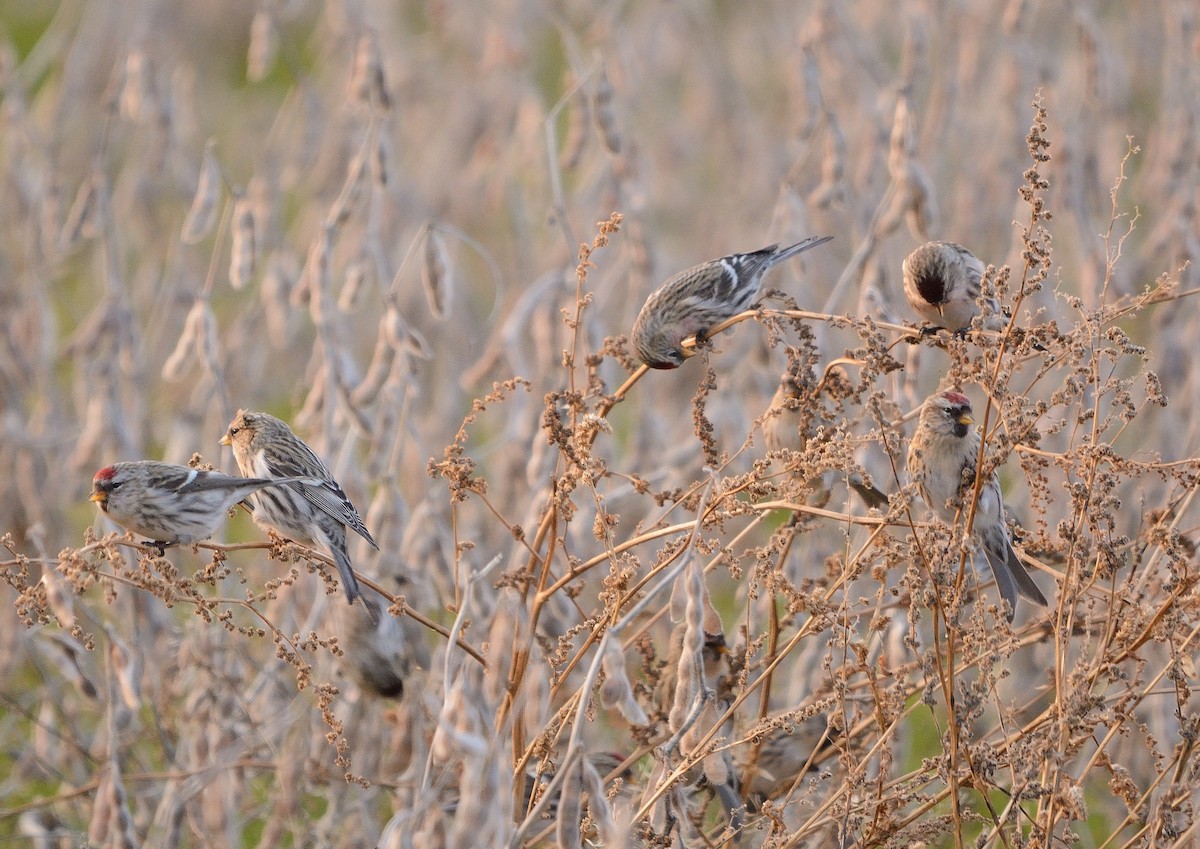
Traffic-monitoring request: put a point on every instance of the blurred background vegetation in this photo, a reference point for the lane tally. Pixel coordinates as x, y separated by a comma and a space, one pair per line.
392, 198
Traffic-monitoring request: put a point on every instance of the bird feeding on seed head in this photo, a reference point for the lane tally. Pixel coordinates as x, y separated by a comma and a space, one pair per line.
942, 459
171, 504
942, 282
695, 300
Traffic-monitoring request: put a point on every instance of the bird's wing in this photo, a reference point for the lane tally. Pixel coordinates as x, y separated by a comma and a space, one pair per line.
332, 501
194, 480
326, 495
305, 463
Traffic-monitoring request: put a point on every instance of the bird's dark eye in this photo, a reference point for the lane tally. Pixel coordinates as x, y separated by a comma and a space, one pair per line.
233, 431
114, 485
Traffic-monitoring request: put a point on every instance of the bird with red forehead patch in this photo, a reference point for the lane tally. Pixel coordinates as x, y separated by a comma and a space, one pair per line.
170, 504
942, 459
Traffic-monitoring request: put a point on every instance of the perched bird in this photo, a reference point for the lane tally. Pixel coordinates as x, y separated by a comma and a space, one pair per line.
792, 419
942, 460
774, 767
942, 284
172, 504
308, 513
382, 652
693, 301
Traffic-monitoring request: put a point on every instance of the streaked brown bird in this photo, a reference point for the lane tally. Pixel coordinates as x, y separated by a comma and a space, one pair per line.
695, 300
942, 282
310, 514
942, 460
172, 504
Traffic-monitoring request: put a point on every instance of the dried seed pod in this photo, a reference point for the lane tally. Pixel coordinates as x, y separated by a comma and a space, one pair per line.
243, 248
402, 337
381, 157
352, 288
264, 45
60, 602
203, 213
356, 172
435, 273
136, 100
832, 188
47, 737
275, 294
175, 366
570, 806
367, 389
199, 337
579, 118
83, 217
367, 83
102, 813
814, 101
128, 671
121, 823
617, 691
921, 214
903, 140
318, 275
606, 117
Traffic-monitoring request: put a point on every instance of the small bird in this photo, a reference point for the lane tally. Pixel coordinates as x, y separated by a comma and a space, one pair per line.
942, 460
308, 513
942, 283
775, 766
171, 504
382, 652
695, 300
790, 421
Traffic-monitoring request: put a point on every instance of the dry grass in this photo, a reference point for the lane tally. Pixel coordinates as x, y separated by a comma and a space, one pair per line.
367, 218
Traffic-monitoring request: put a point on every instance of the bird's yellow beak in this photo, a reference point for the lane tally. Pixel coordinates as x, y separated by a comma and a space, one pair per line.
98, 496
964, 419
225, 440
